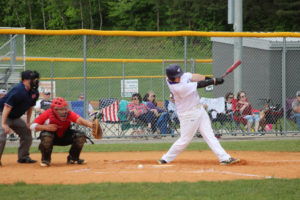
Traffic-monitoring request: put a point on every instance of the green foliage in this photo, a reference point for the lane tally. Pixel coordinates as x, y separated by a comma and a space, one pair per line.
148, 15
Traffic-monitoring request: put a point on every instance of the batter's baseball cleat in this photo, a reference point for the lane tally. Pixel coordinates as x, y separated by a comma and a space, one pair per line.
79, 161
161, 162
45, 163
26, 160
230, 161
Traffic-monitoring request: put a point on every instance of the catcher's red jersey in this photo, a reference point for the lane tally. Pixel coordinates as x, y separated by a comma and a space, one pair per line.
48, 117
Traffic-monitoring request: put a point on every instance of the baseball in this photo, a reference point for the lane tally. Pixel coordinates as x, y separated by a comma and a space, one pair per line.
140, 166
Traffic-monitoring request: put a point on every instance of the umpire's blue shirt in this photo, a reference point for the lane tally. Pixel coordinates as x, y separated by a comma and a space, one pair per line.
19, 99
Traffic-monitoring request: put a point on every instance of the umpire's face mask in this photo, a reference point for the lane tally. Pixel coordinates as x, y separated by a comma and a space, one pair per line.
34, 82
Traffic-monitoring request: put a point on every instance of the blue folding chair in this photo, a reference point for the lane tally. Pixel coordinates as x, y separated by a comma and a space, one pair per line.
78, 107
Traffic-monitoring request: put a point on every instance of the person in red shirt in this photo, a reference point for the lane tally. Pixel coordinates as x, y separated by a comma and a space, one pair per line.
54, 125
245, 109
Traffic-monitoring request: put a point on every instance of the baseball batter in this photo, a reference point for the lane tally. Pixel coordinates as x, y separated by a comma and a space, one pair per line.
191, 114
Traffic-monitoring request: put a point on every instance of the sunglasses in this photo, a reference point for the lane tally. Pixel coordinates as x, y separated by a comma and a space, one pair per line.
135, 99
230, 97
47, 94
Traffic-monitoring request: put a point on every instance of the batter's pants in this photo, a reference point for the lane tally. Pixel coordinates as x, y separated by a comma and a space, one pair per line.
190, 122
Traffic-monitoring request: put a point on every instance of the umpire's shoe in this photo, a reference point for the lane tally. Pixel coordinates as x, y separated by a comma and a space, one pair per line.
26, 160
230, 161
72, 161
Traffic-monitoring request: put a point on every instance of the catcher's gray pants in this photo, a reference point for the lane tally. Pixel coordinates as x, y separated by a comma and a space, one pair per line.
190, 122
20, 128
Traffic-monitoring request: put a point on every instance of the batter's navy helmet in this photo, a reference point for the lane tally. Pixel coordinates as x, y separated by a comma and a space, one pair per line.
174, 71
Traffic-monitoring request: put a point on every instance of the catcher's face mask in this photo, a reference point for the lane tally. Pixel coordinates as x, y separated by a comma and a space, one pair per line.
59, 107
61, 113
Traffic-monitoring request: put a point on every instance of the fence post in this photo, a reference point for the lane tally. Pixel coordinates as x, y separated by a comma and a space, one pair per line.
123, 67
84, 78
163, 81
283, 82
192, 65
109, 87
185, 53
12, 59
51, 76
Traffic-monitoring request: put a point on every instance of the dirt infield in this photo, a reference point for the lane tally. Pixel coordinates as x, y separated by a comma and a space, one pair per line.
190, 166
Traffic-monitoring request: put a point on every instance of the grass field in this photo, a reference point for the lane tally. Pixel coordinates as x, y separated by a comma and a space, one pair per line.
113, 47
273, 145
241, 189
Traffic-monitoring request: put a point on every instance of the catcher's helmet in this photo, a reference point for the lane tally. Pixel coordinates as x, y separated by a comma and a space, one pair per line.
174, 71
59, 106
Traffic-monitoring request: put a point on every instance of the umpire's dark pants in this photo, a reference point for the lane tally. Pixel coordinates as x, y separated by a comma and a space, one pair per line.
20, 128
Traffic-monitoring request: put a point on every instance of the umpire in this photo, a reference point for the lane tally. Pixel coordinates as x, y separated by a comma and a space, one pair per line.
21, 98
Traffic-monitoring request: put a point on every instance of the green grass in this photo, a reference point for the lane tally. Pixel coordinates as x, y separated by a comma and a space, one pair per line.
113, 47
242, 189
273, 145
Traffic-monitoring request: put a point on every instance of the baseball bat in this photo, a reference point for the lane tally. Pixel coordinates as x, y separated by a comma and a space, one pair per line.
230, 69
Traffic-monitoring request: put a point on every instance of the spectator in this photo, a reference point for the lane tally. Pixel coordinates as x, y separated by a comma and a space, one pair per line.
245, 109
2, 93
150, 99
227, 116
81, 98
173, 110
140, 111
296, 109
20, 99
44, 103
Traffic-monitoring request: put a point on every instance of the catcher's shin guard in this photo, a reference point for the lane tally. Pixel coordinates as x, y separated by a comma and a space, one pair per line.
79, 139
46, 146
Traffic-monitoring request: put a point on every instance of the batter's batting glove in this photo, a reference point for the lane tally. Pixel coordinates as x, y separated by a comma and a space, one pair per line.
219, 81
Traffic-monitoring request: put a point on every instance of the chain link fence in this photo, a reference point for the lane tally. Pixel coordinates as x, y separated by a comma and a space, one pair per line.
107, 70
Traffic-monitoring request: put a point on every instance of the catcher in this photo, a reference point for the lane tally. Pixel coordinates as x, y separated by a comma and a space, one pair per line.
54, 125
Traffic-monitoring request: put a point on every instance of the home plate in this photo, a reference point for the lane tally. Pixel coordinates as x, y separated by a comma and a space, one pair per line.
161, 166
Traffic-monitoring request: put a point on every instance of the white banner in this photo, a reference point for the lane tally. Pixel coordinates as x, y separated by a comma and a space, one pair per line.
131, 86
46, 85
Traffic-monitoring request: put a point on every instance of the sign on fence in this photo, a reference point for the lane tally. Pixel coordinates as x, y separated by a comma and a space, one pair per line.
131, 86
46, 85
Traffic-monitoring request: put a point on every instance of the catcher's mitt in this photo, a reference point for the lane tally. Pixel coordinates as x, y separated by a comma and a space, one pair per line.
97, 130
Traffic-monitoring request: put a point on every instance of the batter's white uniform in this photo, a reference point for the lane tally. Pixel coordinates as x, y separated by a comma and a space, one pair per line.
192, 117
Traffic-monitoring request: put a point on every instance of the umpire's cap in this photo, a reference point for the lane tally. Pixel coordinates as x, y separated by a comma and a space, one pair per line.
30, 75
174, 71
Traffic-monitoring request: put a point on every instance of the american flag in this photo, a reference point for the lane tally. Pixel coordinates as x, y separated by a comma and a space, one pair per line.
110, 113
